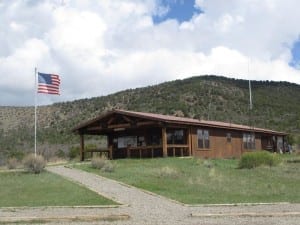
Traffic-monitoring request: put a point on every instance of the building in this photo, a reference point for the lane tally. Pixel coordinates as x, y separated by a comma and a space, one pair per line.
140, 134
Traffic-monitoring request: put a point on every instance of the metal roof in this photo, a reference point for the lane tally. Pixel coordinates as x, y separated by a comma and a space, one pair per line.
178, 120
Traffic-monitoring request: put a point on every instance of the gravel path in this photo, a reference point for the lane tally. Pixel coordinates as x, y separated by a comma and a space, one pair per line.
140, 207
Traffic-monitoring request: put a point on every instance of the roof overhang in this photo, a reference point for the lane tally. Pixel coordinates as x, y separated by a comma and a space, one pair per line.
118, 120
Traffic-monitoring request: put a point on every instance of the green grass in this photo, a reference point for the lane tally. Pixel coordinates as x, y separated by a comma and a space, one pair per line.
45, 189
195, 181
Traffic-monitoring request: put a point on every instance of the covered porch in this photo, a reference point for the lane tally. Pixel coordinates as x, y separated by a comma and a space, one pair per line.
274, 143
135, 137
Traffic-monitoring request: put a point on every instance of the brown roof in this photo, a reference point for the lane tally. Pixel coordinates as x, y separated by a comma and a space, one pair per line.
179, 120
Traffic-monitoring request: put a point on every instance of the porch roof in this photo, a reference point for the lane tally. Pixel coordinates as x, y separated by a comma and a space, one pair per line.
167, 119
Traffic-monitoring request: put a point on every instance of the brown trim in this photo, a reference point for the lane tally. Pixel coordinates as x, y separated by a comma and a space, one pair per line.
122, 125
203, 149
164, 141
179, 121
189, 141
145, 123
81, 147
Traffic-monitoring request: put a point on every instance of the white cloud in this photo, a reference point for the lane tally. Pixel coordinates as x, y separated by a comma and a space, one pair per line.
17, 70
99, 47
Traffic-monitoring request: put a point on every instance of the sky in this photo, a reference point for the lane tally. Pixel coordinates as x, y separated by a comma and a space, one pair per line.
100, 47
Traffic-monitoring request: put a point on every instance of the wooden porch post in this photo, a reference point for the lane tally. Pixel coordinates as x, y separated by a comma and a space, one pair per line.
81, 147
164, 142
189, 141
110, 152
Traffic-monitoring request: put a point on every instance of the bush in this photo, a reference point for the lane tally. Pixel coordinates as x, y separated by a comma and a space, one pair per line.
19, 155
108, 167
60, 154
74, 152
251, 160
103, 164
98, 162
34, 164
12, 163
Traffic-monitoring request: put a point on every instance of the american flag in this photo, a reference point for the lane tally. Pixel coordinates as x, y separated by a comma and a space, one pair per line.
48, 83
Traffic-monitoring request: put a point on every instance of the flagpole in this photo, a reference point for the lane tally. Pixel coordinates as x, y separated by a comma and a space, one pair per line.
250, 97
250, 91
35, 109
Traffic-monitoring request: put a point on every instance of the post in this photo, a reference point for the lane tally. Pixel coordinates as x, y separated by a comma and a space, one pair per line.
81, 147
250, 91
250, 95
189, 141
164, 142
35, 109
110, 152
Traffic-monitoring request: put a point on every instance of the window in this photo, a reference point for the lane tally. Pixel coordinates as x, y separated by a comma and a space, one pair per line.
203, 138
249, 140
153, 137
228, 137
280, 144
124, 142
141, 141
176, 137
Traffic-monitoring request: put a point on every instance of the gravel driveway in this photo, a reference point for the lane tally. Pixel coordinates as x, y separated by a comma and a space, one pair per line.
140, 207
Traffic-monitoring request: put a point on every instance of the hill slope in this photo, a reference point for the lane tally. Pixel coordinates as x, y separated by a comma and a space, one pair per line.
276, 105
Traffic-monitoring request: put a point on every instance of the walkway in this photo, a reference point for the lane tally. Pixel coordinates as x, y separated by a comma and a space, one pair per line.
148, 209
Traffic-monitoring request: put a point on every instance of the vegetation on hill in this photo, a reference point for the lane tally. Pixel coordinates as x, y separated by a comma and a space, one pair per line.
275, 106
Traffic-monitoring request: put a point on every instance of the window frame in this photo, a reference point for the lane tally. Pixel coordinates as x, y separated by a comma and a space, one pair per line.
249, 141
203, 143
176, 136
228, 137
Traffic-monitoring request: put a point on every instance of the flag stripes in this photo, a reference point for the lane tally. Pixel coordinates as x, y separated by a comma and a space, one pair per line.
48, 83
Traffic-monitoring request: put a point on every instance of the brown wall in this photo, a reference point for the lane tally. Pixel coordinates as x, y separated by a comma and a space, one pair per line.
219, 146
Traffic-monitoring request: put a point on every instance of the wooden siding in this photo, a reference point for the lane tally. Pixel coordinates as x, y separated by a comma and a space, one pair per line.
220, 147
155, 135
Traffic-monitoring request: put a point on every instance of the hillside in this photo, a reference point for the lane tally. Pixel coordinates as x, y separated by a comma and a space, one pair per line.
276, 105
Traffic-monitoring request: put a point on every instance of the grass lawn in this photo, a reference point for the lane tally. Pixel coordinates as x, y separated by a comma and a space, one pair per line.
45, 189
195, 181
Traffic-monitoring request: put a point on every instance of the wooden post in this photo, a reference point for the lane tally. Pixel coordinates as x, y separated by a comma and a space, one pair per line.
128, 152
189, 141
110, 152
164, 142
81, 147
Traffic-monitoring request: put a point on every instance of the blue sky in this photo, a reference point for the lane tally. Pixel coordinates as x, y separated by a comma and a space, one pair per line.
296, 54
181, 10
123, 44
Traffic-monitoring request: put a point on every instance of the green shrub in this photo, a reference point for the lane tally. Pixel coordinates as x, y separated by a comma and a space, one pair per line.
12, 163
108, 167
102, 163
254, 159
19, 155
34, 164
60, 153
98, 162
74, 151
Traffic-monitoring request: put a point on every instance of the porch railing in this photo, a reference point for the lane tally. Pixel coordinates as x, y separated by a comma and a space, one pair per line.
173, 150
103, 151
